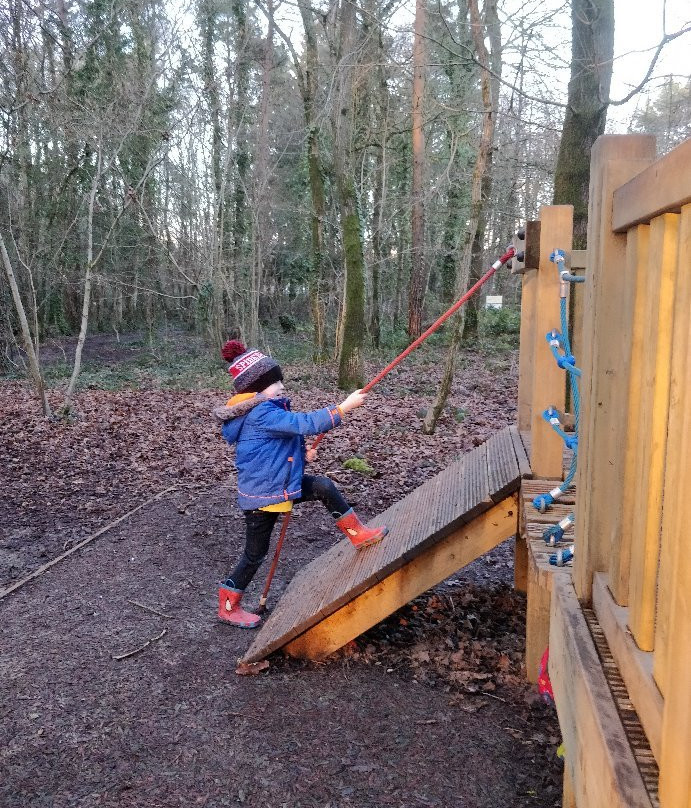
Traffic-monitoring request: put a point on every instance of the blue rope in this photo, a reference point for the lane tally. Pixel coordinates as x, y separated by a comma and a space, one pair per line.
562, 556
560, 347
555, 533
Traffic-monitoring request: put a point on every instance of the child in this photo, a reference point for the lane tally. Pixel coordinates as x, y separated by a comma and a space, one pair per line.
270, 460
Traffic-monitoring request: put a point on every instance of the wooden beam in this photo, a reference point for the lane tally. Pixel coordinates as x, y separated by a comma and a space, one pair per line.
434, 565
652, 427
635, 666
568, 798
526, 353
664, 187
608, 309
675, 767
538, 599
600, 761
674, 498
549, 381
520, 564
637, 243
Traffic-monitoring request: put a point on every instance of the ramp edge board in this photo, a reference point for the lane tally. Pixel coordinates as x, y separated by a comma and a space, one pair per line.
420, 520
601, 765
438, 562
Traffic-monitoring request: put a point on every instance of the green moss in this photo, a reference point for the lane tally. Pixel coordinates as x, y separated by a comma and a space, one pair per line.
360, 465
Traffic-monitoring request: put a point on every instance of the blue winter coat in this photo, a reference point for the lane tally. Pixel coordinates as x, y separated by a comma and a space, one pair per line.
270, 455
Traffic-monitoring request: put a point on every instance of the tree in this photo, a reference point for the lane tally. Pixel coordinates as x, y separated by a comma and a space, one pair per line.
478, 29
418, 267
592, 51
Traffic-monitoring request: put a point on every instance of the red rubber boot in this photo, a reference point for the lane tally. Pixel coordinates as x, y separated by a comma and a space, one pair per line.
230, 611
358, 534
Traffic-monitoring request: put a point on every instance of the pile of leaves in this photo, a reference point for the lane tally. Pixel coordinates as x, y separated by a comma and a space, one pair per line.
470, 640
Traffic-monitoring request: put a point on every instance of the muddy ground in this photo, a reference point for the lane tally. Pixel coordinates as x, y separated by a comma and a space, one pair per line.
430, 708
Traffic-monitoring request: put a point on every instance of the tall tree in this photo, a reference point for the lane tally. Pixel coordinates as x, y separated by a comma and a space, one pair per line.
592, 51
351, 360
478, 29
418, 267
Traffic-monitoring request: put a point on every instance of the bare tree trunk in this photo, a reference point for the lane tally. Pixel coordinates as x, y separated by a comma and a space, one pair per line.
34, 366
418, 271
351, 360
317, 192
481, 160
478, 255
86, 303
592, 49
260, 234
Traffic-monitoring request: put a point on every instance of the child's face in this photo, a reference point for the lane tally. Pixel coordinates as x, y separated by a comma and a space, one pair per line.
275, 390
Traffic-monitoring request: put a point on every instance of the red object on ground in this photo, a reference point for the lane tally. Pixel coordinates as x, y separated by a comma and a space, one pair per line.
359, 535
544, 684
230, 611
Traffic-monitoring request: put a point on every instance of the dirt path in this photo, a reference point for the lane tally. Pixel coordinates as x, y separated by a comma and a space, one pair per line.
174, 726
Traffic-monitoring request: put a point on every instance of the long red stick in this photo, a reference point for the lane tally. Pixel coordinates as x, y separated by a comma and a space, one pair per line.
508, 255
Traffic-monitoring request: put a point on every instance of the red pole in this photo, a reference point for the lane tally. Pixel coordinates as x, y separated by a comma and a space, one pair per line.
435, 325
274, 563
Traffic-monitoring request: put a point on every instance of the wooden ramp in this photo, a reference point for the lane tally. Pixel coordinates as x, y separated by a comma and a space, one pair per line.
446, 523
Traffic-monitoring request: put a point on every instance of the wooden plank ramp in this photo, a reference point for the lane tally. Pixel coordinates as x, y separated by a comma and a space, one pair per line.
437, 529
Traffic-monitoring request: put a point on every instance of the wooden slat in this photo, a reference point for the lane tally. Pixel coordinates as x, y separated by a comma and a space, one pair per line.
664, 187
638, 742
675, 767
438, 508
526, 353
652, 427
549, 383
637, 244
675, 508
601, 765
635, 666
608, 307
501, 465
521, 453
437, 563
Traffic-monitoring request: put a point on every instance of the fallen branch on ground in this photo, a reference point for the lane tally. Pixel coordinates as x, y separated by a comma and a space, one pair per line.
141, 647
149, 609
81, 544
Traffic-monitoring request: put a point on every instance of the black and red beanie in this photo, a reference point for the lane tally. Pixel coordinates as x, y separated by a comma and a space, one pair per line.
252, 371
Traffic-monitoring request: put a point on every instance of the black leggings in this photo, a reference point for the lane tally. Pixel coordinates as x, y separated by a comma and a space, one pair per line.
259, 525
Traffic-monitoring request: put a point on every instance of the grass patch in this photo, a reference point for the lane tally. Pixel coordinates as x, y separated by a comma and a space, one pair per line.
360, 465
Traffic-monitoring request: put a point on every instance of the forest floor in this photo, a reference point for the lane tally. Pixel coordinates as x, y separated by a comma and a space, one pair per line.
429, 708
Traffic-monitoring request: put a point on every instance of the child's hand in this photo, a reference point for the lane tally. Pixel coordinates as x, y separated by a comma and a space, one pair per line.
354, 400
311, 455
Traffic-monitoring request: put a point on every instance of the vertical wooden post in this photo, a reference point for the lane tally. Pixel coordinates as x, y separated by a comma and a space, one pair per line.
526, 359
674, 497
652, 427
549, 382
520, 563
637, 242
608, 309
675, 763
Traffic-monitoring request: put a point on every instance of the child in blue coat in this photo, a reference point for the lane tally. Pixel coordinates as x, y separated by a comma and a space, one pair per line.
270, 459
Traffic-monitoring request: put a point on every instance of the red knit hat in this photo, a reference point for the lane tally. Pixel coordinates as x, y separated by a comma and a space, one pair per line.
252, 371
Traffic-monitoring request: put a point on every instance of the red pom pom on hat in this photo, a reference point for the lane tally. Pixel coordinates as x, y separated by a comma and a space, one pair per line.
232, 349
